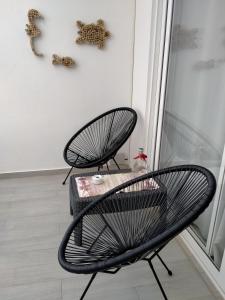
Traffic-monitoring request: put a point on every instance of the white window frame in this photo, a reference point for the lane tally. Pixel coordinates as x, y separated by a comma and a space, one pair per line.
160, 16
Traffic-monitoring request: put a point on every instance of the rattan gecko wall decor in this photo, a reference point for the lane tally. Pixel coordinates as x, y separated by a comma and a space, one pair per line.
94, 34
66, 61
32, 30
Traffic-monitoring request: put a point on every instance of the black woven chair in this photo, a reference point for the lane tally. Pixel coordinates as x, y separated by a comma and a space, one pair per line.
98, 141
136, 220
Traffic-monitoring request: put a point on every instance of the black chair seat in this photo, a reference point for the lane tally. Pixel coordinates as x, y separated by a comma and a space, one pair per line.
99, 140
134, 220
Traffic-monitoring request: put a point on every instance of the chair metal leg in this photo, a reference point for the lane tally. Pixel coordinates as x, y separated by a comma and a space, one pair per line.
116, 163
64, 182
156, 253
157, 279
107, 166
71, 210
164, 264
88, 285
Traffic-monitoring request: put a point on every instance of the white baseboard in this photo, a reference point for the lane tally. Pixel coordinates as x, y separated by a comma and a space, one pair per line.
18, 174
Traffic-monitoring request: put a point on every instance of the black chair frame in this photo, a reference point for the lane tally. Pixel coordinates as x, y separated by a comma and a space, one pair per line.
149, 261
190, 189
103, 156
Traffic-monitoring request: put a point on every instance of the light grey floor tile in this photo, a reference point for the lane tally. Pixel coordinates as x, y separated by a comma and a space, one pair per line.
188, 287
140, 274
94, 294
38, 291
172, 252
33, 207
34, 214
44, 241
6, 277
73, 288
211, 297
63, 226
30, 231
21, 223
39, 273
133, 276
20, 259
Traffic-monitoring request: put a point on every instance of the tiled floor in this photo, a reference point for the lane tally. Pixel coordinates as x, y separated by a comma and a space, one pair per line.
34, 213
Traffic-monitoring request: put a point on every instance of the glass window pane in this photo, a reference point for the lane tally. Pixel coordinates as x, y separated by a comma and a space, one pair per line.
194, 115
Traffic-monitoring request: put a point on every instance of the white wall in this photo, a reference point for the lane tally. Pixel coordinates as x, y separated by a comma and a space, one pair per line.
141, 72
42, 105
148, 52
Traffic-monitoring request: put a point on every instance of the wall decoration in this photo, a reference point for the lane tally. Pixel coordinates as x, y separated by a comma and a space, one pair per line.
65, 61
32, 30
94, 34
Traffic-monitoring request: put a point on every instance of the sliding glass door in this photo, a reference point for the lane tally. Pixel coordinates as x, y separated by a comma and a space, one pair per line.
193, 128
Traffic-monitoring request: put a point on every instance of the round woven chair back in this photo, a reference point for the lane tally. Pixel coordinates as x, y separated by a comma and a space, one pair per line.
100, 139
132, 220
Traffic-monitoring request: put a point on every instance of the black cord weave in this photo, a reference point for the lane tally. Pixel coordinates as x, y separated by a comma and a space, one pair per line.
136, 218
99, 140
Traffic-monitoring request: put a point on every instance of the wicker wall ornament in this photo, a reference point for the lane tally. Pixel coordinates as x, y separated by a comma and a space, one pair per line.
92, 33
65, 61
32, 30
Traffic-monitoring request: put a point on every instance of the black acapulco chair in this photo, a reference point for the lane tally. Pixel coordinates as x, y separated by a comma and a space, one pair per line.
98, 141
136, 220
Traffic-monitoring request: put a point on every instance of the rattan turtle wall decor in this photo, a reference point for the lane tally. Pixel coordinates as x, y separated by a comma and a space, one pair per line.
94, 34
32, 30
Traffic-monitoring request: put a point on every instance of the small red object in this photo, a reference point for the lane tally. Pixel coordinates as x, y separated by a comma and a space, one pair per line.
141, 156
